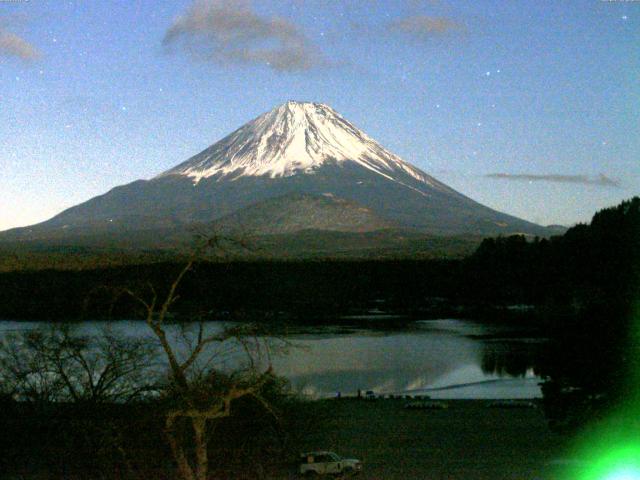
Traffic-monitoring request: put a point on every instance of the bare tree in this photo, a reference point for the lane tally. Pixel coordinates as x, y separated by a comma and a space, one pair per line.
200, 391
208, 368
58, 363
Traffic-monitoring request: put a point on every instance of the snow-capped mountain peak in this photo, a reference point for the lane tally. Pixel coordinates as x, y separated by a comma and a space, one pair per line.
301, 166
294, 138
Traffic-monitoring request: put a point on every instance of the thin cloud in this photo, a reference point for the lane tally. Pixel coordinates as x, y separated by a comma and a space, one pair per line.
231, 32
11, 45
425, 26
599, 180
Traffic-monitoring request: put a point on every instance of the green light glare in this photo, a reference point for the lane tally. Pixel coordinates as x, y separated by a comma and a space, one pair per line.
609, 449
620, 463
624, 474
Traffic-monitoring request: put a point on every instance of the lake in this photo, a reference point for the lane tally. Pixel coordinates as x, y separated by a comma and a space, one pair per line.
443, 359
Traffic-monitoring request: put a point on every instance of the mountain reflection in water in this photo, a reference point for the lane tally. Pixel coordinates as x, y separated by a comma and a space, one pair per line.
437, 358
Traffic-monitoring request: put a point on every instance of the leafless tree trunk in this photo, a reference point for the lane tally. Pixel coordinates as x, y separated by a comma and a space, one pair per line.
196, 405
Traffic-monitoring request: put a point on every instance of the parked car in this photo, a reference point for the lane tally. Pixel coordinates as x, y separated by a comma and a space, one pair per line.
328, 463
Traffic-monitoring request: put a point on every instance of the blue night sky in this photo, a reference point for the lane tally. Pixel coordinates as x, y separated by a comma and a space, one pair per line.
530, 107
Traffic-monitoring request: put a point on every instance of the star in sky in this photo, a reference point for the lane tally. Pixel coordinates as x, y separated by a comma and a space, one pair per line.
191, 104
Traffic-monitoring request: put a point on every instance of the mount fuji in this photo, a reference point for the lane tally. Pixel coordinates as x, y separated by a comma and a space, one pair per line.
298, 167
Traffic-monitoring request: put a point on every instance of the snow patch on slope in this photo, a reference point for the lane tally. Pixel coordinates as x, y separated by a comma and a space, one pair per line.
296, 138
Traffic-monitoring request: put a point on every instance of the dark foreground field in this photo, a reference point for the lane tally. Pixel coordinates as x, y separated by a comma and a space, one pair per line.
466, 441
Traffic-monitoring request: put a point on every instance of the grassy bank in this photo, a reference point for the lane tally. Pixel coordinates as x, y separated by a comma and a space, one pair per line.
466, 441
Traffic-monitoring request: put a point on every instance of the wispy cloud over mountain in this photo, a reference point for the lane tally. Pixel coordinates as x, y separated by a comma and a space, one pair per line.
231, 32
12, 45
600, 180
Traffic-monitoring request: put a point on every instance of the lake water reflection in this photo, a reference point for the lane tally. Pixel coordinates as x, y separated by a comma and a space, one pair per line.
442, 359
439, 358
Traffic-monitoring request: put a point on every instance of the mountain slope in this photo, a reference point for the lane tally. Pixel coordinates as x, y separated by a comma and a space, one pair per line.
295, 149
296, 212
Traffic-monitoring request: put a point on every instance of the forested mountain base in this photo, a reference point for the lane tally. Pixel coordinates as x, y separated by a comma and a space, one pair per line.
589, 265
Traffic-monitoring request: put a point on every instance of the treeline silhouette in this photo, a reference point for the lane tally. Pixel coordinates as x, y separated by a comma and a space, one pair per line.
562, 277
304, 291
591, 263
586, 286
